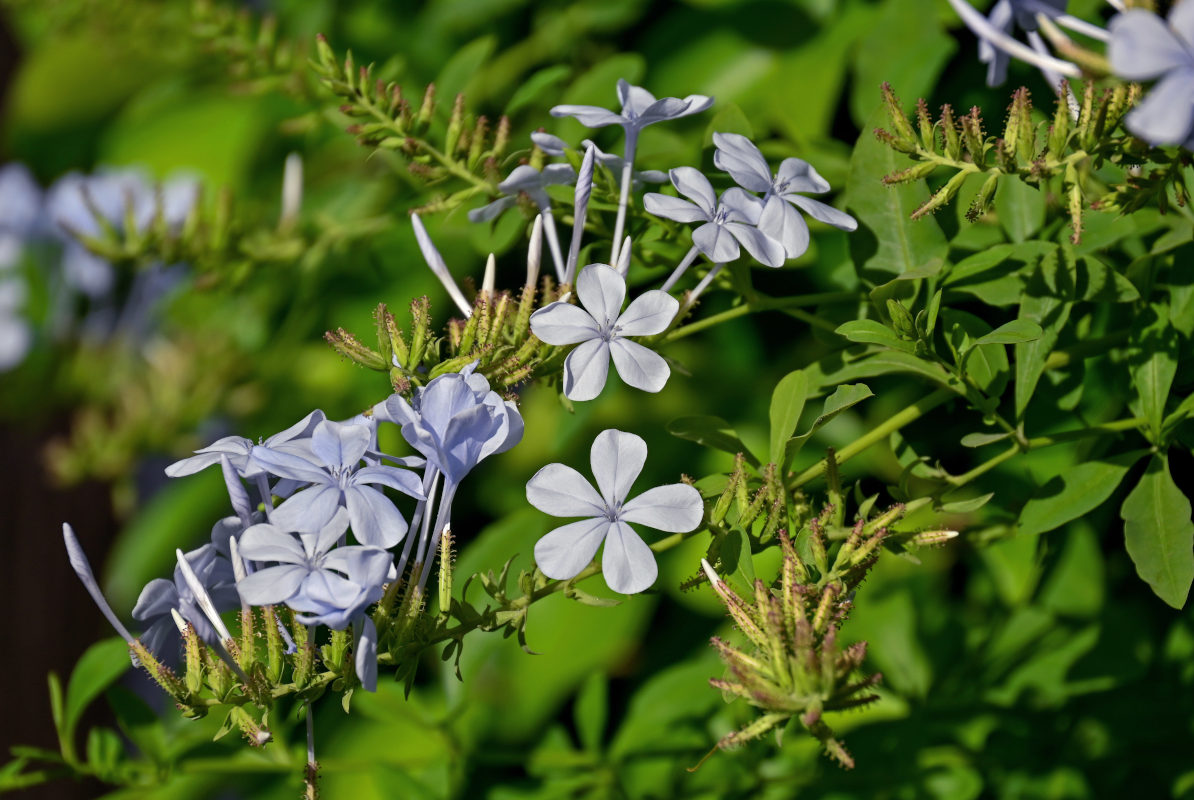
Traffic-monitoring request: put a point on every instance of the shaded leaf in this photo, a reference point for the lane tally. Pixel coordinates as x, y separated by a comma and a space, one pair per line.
787, 401
1074, 493
712, 432
1159, 534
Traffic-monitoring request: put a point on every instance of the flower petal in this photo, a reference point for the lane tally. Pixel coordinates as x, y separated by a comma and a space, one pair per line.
639, 366
738, 155
1142, 46
340, 445
365, 652
823, 212
589, 116
562, 553
628, 563
716, 243
307, 511
266, 542
797, 175
783, 223
563, 323
766, 250
286, 465
375, 519
675, 508
617, 459
602, 291
402, 480
693, 184
1166, 115
272, 585
585, 370
668, 207
157, 598
561, 491
648, 314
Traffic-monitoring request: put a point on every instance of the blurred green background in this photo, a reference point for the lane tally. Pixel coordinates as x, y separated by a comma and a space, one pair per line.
1029, 667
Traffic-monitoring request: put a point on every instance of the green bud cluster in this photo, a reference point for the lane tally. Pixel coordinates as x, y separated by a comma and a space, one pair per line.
497, 334
468, 147
1063, 155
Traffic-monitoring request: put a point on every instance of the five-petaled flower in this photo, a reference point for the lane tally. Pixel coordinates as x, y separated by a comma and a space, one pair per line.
1143, 47
729, 220
629, 565
639, 109
600, 329
780, 220
527, 180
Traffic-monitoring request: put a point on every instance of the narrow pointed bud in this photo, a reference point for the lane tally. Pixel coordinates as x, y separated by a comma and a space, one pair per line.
982, 201
420, 330
82, 568
468, 336
973, 137
292, 192
912, 173
387, 328
202, 598
351, 348
323, 51
445, 571
905, 137
455, 126
535, 252
193, 655
436, 263
623, 265
949, 130
254, 732
427, 108
710, 573
161, 674
932, 537
942, 196
501, 139
928, 138
489, 280
580, 210
273, 643
477, 141
1059, 132
1075, 208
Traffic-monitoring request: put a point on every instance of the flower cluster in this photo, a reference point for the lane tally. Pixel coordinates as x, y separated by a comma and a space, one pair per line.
46, 226
331, 480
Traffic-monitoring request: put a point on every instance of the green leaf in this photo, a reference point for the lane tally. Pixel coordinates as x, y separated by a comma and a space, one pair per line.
1074, 493
538, 84
1014, 332
712, 432
985, 364
968, 505
1039, 305
96, 670
995, 275
464, 67
1152, 362
843, 398
1159, 534
1097, 282
868, 331
591, 710
1020, 207
729, 119
980, 439
787, 401
888, 241
830, 371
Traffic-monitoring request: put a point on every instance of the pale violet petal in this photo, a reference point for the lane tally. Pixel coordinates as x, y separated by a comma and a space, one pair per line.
1142, 46
272, 585
692, 183
585, 370
307, 511
739, 156
648, 314
285, 465
601, 290
797, 175
340, 445
675, 208
716, 243
563, 323
675, 508
375, 519
628, 563
765, 249
549, 143
1166, 115
589, 116
639, 366
365, 652
562, 553
561, 491
782, 222
823, 212
617, 458
401, 480
267, 542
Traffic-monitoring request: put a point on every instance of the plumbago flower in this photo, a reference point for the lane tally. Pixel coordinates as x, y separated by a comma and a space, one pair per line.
336, 479
239, 450
1143, 47
628, 564
455, 421
325, 584
1006, 15
555, 146
730, 220
160, 597
640, 108
527, 180
780, 220
600, 329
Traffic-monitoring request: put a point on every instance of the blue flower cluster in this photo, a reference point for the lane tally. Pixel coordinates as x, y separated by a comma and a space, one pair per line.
38, 239
331, 478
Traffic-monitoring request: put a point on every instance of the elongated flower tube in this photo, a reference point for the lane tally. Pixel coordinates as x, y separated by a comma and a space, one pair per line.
628, 564
527, 180
438, 268
82, 568
580, 210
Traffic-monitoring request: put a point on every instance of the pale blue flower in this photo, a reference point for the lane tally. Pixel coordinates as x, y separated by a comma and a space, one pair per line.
527, 180
555, 146
780, 220
1143, 47
455, 421
161, 596
1005, 16
730, 220
337, 479
599, 327
294, 440
639, 109
628, 564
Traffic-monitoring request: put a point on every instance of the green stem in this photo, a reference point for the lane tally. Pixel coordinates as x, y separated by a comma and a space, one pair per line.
761, 304
894, 423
